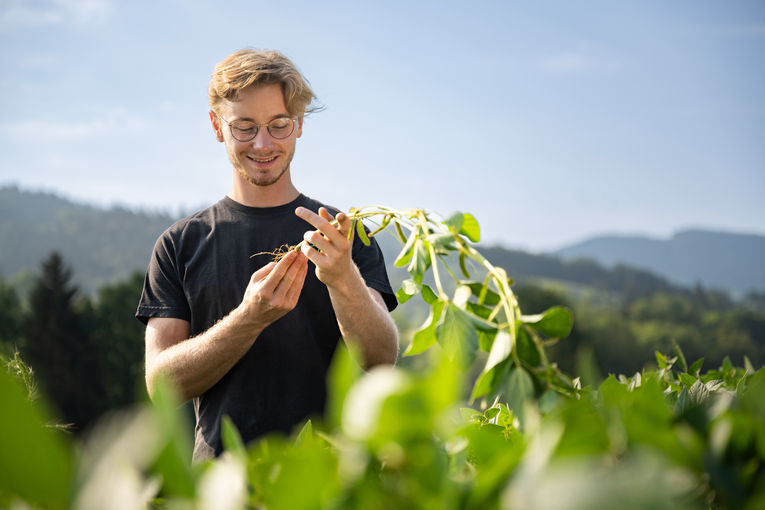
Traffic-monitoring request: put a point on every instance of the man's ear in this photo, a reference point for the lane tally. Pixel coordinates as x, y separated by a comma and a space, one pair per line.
299, 127
216, 124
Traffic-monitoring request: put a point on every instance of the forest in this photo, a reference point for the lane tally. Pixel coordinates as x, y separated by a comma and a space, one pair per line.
87, 350
665, 411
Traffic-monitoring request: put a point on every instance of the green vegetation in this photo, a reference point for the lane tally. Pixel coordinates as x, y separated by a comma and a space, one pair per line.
479, 414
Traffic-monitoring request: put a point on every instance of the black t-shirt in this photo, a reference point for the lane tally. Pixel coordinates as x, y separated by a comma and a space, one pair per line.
199, 271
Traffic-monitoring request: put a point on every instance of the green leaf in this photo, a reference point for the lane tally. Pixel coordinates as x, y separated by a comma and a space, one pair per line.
425, 337
305, 435
484, 294
661, 360
496, 366
400, 231
407, 290
556, 322
232, 440
405, 256
681, 363
695, 368
428, 295
343, 372
420, 261
470, 228
527, 348
463, 265
362, 233
457, 335
35, 464
687, 380
491, 412
520, 388
465, 224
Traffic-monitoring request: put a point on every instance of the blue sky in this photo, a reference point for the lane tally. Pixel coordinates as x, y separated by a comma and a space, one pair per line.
549, 121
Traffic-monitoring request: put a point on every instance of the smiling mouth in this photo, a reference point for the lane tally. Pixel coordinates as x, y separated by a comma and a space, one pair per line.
262, 160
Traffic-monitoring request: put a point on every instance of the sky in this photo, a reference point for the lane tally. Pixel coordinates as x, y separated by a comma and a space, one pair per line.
549, 121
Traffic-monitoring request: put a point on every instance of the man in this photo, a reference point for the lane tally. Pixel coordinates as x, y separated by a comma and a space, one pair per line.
246, 336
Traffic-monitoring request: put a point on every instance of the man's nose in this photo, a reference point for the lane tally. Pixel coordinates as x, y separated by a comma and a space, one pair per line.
263, 139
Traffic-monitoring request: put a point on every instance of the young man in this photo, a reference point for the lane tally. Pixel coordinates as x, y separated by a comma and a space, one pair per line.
245, 336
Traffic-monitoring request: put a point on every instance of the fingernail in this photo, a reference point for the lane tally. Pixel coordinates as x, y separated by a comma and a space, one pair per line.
299, 211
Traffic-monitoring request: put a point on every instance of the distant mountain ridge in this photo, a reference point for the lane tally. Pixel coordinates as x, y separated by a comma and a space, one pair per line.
723, 260
100, 245
105, 245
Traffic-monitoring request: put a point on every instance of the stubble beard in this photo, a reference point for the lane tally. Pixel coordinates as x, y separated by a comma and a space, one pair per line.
263, 181
266, 179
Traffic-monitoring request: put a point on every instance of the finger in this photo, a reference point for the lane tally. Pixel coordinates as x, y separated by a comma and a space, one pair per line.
317, 240
292, 274
296, 287
271, 281
262, 272
324, 213
321, 224
343, 224
312, 254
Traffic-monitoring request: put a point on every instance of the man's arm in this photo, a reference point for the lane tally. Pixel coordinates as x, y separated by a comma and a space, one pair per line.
196, 364
361, 312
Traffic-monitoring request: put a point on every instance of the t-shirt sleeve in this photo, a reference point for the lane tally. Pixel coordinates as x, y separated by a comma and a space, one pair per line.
163, 294
371, 264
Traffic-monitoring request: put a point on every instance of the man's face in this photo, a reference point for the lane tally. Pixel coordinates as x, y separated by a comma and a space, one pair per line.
263, 160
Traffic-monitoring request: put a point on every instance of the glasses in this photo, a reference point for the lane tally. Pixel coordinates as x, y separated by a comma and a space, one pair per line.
245, 131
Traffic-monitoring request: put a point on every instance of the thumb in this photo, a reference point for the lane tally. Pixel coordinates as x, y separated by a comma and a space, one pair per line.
262, 272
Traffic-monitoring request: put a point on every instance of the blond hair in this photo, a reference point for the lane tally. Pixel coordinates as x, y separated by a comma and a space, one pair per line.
248, 68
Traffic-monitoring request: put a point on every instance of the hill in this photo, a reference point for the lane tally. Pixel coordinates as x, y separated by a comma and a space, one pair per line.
101, 245
723, 260
104, 245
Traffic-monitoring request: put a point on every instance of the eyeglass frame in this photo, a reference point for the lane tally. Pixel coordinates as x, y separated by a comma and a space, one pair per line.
258, 126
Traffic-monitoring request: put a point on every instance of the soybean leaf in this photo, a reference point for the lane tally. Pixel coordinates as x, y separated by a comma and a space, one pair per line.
463, 265
425, 337
555, 322
527, 348
400, 231
407, 290
661, 360
496, 366
696, 367
457, 335
681, 363
491, 412
36, 463
232, 440
490, 297
465, 224
428, 295
470, 228
407, 251
520, 388
362, 233
420, 261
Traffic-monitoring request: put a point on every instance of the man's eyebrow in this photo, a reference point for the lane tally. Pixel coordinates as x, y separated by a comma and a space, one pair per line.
249, 119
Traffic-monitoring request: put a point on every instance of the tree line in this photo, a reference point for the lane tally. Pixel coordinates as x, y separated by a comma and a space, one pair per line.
87, 351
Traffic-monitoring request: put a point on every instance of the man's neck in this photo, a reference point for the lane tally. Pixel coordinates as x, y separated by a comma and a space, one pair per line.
279, 193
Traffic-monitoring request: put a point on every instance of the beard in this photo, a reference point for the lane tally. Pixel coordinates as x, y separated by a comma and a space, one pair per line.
262, 180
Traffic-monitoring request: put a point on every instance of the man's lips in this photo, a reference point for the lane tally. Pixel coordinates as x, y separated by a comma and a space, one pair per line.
262, 160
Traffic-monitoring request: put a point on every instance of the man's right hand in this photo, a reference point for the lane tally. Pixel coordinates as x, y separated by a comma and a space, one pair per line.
274, 290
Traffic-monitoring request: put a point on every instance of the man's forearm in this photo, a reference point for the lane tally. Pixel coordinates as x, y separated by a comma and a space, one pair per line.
364, 321
196, 364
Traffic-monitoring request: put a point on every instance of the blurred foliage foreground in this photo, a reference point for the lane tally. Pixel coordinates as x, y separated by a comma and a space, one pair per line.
485, 421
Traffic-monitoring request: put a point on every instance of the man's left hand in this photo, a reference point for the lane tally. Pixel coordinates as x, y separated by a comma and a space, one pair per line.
329, 248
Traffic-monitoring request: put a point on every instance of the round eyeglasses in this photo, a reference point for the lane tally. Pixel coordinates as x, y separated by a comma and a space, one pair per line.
245, 131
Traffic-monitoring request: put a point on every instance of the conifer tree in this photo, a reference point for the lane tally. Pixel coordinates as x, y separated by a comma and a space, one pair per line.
58, 347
